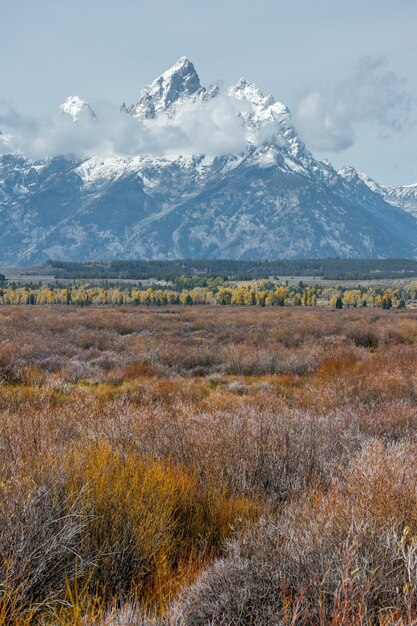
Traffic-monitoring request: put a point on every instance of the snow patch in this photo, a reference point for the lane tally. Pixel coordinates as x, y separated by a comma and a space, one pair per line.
74, 107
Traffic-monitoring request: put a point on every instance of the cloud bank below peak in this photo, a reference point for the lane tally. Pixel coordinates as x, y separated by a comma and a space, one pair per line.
212, 128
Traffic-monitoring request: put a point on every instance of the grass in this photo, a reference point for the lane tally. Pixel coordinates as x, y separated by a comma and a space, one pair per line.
208, 465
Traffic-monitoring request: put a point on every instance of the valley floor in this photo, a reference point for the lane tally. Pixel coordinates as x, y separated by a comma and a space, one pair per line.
208, 465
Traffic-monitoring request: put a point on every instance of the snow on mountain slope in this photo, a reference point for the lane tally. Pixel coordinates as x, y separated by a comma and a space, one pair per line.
76, 108
265, 119
280, 212
178, 84
272, 199
401, 196
265, 109
268, 119
404, 197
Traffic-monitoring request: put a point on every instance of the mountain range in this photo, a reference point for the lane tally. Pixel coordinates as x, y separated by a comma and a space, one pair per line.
268, 199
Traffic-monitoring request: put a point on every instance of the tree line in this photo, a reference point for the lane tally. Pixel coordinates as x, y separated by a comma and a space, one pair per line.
332, 269
261, 293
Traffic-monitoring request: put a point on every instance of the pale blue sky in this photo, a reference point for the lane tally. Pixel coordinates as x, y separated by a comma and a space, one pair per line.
107, 49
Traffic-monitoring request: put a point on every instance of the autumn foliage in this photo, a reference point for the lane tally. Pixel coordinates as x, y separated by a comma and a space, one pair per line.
208, 465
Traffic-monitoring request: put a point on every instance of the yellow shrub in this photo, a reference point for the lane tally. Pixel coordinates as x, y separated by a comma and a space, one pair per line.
148, 517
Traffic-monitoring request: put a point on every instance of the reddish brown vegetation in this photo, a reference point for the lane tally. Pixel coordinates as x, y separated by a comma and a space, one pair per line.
213, 465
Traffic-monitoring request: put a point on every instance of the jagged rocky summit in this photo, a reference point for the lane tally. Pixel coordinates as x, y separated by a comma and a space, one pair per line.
270, 199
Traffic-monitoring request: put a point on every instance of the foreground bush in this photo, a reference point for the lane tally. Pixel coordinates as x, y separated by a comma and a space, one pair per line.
115, 522
346, 556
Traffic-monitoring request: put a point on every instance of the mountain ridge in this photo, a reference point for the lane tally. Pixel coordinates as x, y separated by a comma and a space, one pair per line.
272, 199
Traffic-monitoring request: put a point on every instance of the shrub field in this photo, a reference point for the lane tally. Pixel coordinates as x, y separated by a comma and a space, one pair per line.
208, 466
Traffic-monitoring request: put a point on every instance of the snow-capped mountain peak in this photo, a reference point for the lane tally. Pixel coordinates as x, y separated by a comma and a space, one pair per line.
179, 82
183, 67
348, 173
402, 196
264, 196
262, 113
249, 92
244, 90
74, 107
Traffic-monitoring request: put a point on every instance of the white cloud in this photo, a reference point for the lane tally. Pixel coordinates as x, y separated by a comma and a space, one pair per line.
328, 117
212, 128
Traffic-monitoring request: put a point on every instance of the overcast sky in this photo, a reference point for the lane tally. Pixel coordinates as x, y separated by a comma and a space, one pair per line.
346, 68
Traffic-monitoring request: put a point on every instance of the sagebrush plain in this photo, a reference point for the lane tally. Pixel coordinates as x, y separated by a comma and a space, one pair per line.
208, 465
